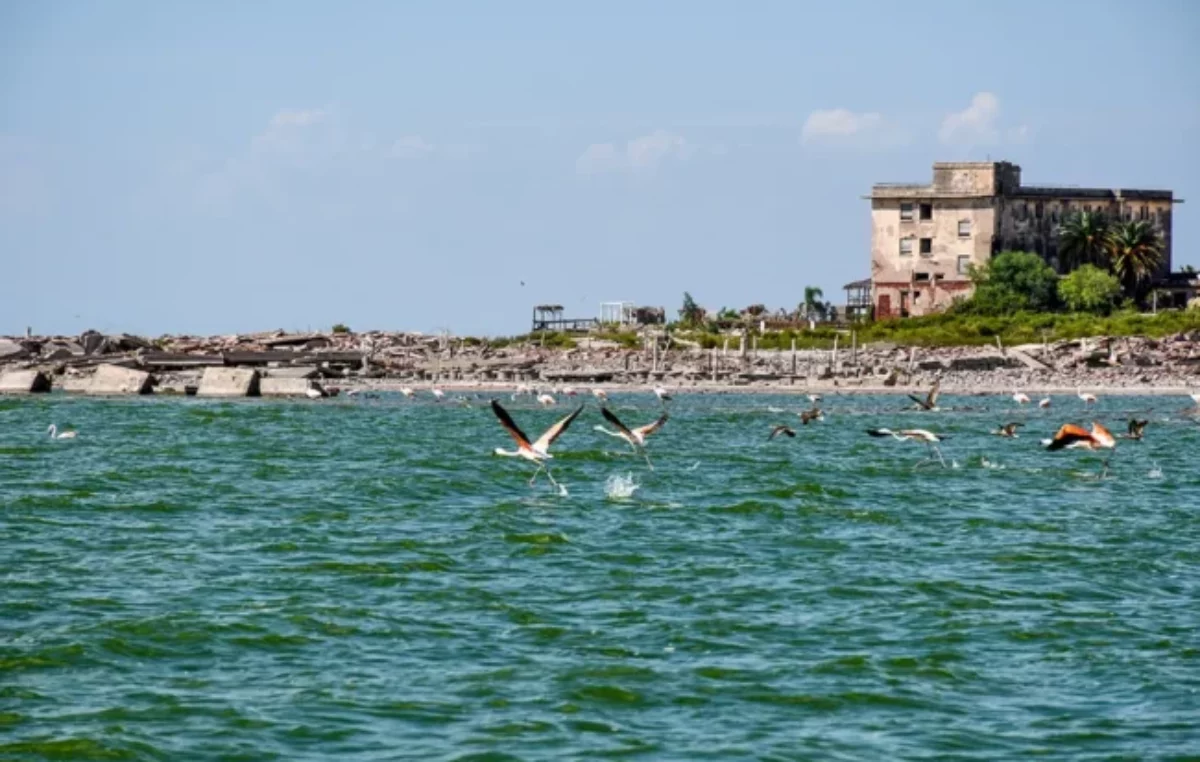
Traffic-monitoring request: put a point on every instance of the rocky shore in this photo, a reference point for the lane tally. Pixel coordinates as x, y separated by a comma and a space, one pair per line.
285, 364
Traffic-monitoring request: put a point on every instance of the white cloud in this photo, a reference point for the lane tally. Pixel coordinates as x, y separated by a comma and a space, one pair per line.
975, 124
410, 147
640, 155
838, 123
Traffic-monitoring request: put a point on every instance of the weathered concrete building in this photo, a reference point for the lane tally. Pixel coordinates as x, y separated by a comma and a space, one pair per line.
924, 238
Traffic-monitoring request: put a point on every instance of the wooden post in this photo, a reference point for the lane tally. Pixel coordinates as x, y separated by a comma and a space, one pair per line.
912, 359
714, 364
793, 355
999, 345
833, 357
854, 348
654, 356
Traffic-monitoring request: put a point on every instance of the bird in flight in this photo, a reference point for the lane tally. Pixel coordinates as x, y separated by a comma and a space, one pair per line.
538, 450
914, 435
811, 415
1136, 429
1071, 436
1008, 430
635, 437
663, 395
930, 401
787, 431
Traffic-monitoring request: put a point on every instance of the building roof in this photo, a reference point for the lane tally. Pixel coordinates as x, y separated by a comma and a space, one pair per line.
864, 283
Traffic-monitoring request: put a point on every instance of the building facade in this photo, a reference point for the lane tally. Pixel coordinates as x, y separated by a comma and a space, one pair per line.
925, 238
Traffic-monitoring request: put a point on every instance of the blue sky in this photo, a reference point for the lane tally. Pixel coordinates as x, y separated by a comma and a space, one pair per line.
220, 167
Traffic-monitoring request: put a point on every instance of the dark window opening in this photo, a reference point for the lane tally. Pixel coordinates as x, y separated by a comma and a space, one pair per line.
926, 245
906, 212
1037, 212
921, 277
927, 211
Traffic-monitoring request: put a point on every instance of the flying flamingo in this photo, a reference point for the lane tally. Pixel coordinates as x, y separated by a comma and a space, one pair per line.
1071, 436
914, 435
663, 395
930, 401
537, 451
1008, 430
787, 431
1087, 397
54, 433
1021, 398
811, 415
635, 437
1045, 403
814, 398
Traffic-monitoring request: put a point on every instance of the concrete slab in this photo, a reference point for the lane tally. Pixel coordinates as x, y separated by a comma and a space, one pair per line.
112, 379
24, 382
286, 387
229, 382
298, 371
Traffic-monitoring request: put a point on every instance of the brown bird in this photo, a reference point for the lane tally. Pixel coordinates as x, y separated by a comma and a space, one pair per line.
537, 451
1008, 430
811, 415
930, 401
1136, 429
635, 437
787, 431
1071, 436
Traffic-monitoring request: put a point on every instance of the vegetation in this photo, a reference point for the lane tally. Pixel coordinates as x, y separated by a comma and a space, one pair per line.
1083, 240
1135, 251
813, 308
340, 328
1089, 289
691, 314
1010, 282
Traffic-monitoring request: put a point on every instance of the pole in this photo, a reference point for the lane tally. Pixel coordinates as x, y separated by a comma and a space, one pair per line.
714, 363
833, 357
793, 356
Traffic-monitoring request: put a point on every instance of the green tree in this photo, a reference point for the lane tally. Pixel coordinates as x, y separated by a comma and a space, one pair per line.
691, 314
1083, 240
1012, 281
1089, 289
1135, 252
340, 328
813, 306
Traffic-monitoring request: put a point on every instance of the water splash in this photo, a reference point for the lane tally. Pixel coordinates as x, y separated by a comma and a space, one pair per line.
1156, 472
619, 487
983, 461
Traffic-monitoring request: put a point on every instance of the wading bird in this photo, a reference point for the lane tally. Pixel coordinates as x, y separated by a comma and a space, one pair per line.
545, 400
1021, 398
787, 431
537, 451
663, 395
1008, 430
407, 392
1136, 429
635, 437
54, 433
814, 398
438, 394
600, 394
1045, 403
811, 415
914, 435
1071, 436
930, 401
1087, 397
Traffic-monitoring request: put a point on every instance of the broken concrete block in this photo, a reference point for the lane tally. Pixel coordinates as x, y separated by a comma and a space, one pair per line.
229, 382
273, 386
112, 379
11, 350
24, 382
299, 371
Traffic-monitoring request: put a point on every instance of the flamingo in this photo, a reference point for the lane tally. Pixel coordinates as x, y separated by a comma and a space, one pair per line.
1021, 398
1196, 399
930, 401
1008, 430
814, 398
600, 394
438, 394
54, 433
407, 392
545, 400
914, 435
1071, 436
811, 415
663, 395
537, 451
787, 431
1044, 403
1087, 397
635, 437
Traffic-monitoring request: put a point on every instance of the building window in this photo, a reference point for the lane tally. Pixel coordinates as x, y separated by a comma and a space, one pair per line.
1143, 213
926, 246
921, 277
964, 228
1037, 210
927, 211
906, 212
906, 247
964, 264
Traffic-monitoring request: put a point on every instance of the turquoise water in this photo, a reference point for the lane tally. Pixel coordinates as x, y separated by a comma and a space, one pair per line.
360, 580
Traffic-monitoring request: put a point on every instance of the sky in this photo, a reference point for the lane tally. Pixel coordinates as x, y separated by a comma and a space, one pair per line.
231, 167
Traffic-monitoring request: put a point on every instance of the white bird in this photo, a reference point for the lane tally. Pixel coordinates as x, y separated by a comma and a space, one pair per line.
1021, 398
913, 435
407, 392
600, 394
537, 451
438, 394
545, 400
814, 398
1045, 402
635, 437
53, 431
1195, 398
313, 393
1087, 397
662, 394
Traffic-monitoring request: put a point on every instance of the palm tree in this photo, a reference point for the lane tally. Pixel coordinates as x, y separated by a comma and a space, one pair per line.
812, 301
1135, 251
1082, 240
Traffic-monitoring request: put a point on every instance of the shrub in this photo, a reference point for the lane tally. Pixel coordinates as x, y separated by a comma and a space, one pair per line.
340, 328
1089, 289
1010, 282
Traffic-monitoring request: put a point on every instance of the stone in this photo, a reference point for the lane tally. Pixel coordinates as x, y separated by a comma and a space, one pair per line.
113, 379
24, 382
91, 341
273, 386
295, 371
229, 382
11, 351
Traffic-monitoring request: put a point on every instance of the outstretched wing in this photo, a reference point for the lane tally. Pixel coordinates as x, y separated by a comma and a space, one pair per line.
918, 400
781, 429
510, 426
615, 421
1067, 435
554, 432
933, 394
878, 432
650, 428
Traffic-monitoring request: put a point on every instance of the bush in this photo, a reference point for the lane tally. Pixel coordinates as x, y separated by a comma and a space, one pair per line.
1090, 289
340, 328
1010, 282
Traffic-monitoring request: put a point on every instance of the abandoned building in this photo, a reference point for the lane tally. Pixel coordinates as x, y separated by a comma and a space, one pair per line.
925, 238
